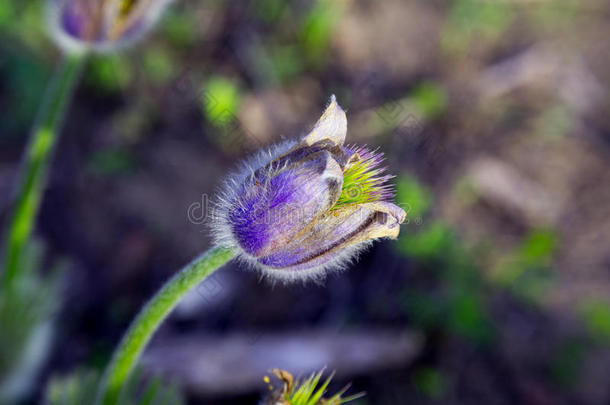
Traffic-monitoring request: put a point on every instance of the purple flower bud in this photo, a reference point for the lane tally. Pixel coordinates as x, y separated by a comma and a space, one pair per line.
307, 207
102, 25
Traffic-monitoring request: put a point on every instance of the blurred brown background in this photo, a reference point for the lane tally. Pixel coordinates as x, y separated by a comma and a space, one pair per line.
493, 113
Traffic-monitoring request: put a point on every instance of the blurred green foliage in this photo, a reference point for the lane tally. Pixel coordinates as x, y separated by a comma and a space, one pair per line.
26, 311
456, 298
317, 28
220, 101
81, 388
158, 64
566, 362
135, 121
7, 13
110, 161
21, 21
471, 20
24, 65
428, 100
25, 77
526, 270
286, 62
109, 73
429, 243
179, 28
460, 303
554, 15
298, 41
596, 315
554, 122
269, 11
538, 247
415, 198
430, 381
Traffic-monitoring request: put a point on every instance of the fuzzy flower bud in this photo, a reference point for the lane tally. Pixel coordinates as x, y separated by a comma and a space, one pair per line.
309, 206
102, 25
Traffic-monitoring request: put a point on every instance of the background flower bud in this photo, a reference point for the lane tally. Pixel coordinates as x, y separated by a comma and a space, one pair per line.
101, 25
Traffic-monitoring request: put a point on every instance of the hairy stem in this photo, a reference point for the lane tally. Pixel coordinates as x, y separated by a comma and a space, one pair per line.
36, 161
152, 315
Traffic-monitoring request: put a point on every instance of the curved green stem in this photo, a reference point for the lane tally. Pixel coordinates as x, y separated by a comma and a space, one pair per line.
152, 315
36, 161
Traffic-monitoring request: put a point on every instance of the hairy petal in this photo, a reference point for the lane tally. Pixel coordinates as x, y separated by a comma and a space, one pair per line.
325, 241
270, 211
331, 126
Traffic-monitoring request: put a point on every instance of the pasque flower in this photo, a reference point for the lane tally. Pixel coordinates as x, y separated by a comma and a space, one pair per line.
102, 25
309, 206
296, 211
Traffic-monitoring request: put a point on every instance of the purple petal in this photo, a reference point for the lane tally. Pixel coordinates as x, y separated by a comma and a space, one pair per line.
331, 236
269, 212
73, 21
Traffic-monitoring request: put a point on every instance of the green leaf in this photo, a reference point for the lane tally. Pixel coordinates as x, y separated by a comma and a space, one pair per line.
220, 101
596, 315
317, 29
428, 99
179, 28
431, 243
109, 73
468, 315
158, 64
413, 196
539, 247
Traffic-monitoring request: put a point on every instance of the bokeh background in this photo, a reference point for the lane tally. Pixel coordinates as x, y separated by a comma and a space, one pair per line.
494, 115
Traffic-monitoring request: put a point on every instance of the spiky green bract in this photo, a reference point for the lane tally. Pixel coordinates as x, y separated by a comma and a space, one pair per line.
364, 180
310, 391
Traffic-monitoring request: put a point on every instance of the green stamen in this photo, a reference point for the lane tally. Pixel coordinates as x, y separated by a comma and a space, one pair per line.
363, 182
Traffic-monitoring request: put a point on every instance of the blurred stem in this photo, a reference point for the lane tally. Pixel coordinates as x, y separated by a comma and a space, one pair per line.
152, 315
36, 159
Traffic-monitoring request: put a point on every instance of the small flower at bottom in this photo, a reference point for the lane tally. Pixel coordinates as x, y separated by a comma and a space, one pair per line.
307, 207
309, 391
102, 25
